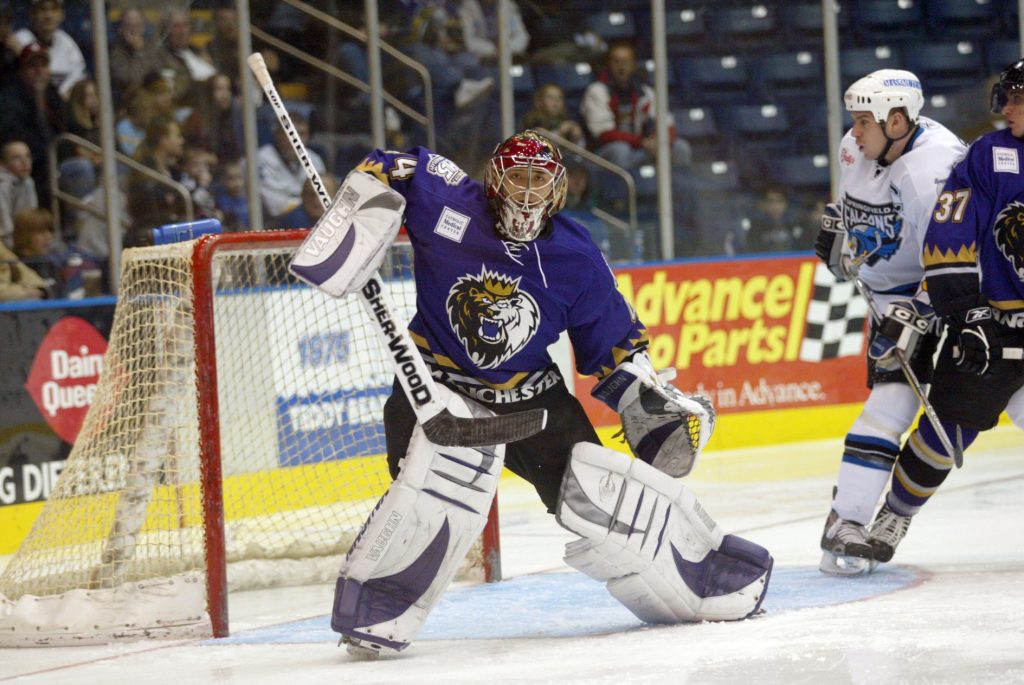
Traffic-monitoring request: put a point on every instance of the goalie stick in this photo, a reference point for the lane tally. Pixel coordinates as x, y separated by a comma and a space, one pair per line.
440, 425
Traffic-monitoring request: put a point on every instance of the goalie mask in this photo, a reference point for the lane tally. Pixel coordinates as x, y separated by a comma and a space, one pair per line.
526, 185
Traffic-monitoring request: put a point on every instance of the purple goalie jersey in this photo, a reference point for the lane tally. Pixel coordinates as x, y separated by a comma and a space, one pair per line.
975, 241
488, 308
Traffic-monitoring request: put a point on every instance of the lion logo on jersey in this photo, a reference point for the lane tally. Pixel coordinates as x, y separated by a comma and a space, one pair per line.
492, 317
1009, 234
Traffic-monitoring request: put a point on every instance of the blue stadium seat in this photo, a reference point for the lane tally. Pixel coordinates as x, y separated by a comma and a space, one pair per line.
573, 78
999, 54
803, 22
946, 66
877, 21
697, 126
961, 18
803, 171
790, 74
752, 27
612, 25
522, 79
705, 80
753, 121
857, 62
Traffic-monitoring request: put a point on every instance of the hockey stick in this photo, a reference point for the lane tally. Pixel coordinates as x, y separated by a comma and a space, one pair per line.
440, 425
957, 451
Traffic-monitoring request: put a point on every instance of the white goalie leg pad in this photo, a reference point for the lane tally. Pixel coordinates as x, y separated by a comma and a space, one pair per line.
413, 543
649, 538
348, 243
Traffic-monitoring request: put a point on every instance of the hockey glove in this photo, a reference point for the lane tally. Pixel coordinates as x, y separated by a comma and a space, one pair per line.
902, 327
664, 427
977, 339
830, 243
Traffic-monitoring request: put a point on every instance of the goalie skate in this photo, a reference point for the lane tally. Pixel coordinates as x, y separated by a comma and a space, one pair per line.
845, 550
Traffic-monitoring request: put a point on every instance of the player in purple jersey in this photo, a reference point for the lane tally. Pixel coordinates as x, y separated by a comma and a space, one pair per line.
500, 275
973, 256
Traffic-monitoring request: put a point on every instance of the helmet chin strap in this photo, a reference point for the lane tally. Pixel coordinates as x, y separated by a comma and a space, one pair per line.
882, 161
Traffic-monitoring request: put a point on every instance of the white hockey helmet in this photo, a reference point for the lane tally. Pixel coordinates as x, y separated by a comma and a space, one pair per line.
884, 90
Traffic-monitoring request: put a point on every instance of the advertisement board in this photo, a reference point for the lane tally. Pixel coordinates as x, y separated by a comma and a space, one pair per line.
752, 335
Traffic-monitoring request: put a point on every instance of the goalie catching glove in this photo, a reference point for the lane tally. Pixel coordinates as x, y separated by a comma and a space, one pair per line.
664, 427
348, 243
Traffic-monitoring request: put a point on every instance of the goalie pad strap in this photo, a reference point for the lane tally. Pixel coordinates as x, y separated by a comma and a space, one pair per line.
651, 540
349, 242
415, 539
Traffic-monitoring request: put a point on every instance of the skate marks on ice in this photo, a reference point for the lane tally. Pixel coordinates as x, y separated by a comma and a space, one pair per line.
569, 604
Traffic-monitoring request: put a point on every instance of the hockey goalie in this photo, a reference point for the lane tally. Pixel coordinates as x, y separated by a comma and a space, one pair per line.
499, 276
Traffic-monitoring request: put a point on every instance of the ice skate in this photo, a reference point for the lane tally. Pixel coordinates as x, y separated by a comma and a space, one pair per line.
364, 650
845, 548
887, 530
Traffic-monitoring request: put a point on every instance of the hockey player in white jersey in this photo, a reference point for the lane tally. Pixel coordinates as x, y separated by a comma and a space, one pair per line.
893, 163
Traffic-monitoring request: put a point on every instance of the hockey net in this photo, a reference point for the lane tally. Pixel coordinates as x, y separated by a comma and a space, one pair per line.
235, 440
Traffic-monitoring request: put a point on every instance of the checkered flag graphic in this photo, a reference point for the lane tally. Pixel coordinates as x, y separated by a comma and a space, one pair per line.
835, 319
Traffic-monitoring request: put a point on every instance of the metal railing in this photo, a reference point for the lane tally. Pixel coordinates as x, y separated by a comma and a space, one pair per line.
426, 120
596, 160
57, 195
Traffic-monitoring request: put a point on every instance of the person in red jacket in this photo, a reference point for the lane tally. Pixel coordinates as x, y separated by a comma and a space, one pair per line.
618, 110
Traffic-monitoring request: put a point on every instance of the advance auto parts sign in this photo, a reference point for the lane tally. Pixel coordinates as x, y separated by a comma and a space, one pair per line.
64, 374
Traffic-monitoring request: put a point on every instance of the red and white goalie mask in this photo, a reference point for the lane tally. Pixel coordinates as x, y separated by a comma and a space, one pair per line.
526, 185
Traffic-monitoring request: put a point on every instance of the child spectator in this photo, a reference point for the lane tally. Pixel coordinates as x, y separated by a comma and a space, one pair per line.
35, 246
66, 62
549, 113
17, 189
213, 124
78, 163
230, 197
197, 177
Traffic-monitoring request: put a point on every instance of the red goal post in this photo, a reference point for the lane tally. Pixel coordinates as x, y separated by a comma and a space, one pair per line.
235, 440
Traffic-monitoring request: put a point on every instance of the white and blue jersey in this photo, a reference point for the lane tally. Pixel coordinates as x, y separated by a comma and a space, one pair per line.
886, 208
974, 247
488, 308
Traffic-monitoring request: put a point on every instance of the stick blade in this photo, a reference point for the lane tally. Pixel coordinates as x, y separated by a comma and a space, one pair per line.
448, 429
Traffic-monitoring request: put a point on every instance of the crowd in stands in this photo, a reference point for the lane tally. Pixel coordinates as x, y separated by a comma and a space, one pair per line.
177, 100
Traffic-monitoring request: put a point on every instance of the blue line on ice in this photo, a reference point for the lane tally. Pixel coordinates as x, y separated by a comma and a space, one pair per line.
572, 605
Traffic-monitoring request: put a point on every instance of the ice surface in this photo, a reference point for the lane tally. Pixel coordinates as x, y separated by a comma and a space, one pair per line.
949, 609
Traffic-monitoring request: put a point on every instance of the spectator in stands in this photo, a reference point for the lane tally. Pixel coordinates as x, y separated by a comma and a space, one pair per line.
132, 57
230, 198
618, 111
311, 208
214, 123
775, 225
130, 129
150, 202
67, 64
9, 46
223, 47
78, 164
36, 247
549, 113
435, 37
18, 281
479, 20
17, 189
33, 112
281, 174
189, 63
580, 200
197, 177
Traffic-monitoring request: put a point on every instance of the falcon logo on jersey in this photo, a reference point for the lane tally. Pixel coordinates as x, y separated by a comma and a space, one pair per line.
492, 317
874, 230
1009, 234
